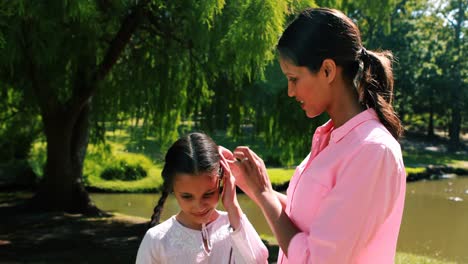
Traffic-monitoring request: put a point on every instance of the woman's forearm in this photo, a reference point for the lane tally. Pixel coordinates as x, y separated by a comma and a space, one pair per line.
282, 199
273, 206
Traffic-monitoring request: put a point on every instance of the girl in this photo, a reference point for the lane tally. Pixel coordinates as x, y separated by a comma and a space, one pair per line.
194, 171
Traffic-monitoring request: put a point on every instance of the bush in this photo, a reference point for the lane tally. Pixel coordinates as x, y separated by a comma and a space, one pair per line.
124, 172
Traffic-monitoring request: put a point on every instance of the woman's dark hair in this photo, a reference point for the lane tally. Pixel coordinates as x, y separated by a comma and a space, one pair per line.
192, 154
320, 33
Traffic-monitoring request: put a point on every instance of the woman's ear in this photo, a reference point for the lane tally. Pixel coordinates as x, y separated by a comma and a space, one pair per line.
329, 69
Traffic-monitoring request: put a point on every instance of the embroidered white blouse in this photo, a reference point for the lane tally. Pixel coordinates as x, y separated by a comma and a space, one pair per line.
172, 243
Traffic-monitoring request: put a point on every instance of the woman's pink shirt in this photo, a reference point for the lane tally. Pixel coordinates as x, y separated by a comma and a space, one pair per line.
347, 196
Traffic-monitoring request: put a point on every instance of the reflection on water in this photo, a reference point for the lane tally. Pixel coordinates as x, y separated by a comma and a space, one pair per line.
435, 221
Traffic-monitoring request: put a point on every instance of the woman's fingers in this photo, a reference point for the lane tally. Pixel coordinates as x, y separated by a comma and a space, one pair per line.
256, 177
247, 157
226, 153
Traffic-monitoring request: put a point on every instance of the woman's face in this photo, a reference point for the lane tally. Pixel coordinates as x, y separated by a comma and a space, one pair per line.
309, 89
197, 196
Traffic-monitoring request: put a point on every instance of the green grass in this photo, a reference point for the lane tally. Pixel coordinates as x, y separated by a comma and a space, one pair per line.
418, 158
280, 175
406, 258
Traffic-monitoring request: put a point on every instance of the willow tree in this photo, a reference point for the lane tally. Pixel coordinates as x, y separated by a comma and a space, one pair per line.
153, 59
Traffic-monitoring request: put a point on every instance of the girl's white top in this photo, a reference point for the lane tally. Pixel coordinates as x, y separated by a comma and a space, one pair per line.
171, 242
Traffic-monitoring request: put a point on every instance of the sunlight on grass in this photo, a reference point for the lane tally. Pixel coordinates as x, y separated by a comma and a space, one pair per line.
280, 175
96, 162
406, 258
410, 170
423, 158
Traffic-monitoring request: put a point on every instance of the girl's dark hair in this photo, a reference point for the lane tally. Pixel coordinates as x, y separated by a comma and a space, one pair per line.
192, 154
321, 33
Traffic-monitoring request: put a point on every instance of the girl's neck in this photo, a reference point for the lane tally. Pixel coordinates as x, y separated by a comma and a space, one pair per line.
182, 218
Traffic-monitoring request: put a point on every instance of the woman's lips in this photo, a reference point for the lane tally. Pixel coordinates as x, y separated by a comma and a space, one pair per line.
301, 103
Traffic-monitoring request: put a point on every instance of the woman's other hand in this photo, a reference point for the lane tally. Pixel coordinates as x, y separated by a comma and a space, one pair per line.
234, 167
253, 177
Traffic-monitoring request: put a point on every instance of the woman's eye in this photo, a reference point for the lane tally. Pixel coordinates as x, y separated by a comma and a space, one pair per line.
292, 79
186, 197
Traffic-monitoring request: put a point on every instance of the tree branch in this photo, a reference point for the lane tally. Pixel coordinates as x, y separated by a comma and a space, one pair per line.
117, 45
46, 100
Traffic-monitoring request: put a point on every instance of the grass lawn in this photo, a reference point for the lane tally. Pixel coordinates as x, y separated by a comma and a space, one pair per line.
405, 258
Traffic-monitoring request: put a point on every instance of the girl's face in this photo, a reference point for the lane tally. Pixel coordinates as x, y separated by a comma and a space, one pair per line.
197, 196
309, 89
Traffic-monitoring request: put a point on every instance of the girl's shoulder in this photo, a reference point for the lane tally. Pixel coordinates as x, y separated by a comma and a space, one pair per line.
159, 230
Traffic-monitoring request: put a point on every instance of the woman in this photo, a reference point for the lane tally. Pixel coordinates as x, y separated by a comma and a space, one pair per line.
345, 201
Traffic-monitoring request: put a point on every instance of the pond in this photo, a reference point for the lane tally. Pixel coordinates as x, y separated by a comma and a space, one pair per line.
435, 221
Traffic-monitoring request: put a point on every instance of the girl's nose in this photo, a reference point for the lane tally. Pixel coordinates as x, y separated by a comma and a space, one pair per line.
200, 205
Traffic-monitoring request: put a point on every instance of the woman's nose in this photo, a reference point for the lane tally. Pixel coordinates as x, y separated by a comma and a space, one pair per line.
291, 90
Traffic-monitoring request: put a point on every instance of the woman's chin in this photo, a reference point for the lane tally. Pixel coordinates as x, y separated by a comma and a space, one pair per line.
312, 114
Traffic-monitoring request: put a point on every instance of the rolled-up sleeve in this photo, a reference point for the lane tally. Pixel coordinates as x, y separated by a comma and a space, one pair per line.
364, 194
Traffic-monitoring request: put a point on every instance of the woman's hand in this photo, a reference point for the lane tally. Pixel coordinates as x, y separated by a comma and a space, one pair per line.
253, 177
235, 169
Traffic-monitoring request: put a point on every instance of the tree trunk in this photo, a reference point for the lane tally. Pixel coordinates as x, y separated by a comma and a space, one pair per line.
62, 188
455, 125
430, 127
457, 89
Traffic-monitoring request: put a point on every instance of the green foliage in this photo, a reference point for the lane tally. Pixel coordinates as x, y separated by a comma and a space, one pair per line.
124, 172
425, 73
112, 165
18, 126
209, 65
37, 157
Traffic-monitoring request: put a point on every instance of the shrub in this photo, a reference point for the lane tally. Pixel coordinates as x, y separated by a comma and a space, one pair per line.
124, 172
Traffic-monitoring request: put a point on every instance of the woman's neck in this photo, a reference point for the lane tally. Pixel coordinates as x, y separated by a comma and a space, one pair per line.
345, 104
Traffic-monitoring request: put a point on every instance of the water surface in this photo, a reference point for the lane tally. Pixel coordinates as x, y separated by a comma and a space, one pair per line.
435, 220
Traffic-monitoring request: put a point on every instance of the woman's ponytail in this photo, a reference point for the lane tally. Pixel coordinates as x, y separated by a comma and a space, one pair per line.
376, 88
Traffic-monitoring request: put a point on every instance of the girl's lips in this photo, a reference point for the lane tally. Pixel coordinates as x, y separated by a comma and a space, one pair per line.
201, 214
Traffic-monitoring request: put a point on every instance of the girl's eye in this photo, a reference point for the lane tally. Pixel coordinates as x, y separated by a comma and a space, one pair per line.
207, 195
292, 79
186, 197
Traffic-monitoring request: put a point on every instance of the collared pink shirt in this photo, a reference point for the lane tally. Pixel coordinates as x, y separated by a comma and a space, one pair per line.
347, 196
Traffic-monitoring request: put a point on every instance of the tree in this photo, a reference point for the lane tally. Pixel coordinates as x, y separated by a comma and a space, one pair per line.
455, 13
148, 59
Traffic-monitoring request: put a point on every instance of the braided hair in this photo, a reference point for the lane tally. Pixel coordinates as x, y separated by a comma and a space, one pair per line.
192, 154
